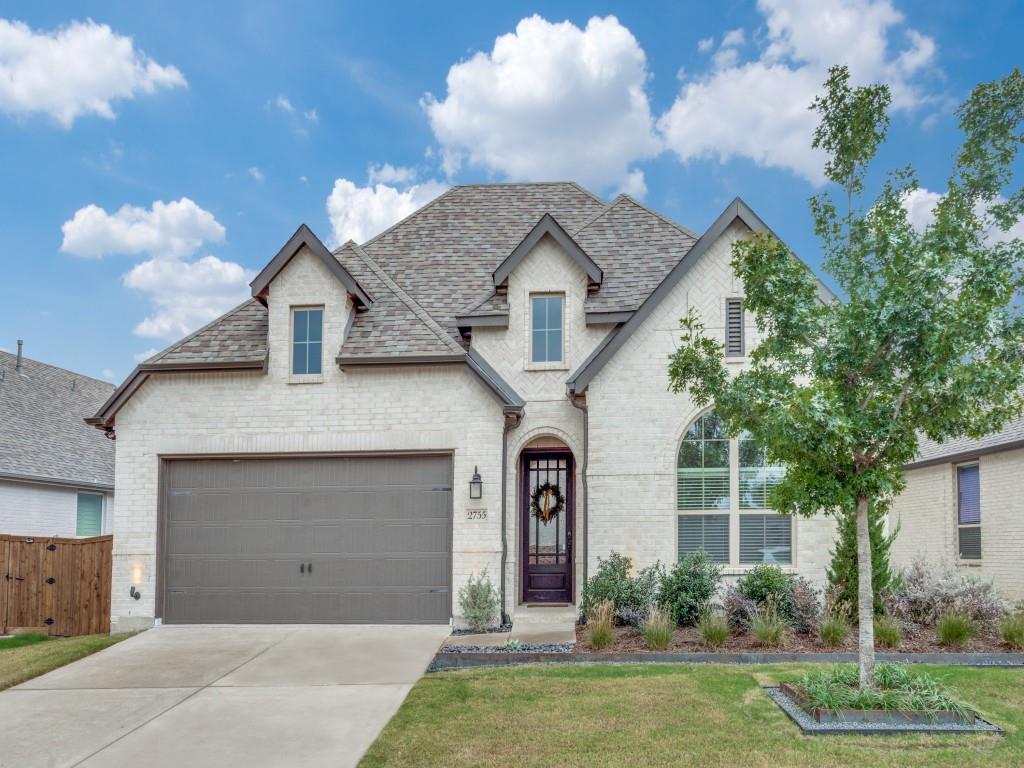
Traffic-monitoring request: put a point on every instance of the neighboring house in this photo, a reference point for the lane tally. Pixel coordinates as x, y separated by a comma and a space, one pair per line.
372, 426
963, 506
56, 474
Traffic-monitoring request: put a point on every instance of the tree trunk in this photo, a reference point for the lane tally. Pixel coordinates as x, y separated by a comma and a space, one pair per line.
865, 597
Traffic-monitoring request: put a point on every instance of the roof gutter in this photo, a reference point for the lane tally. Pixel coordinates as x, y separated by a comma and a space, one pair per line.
62, 482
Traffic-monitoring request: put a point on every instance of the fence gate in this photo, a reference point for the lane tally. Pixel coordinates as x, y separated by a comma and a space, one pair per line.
55, 586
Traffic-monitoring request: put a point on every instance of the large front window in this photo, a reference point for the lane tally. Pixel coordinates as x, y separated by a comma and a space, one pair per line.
546, 329
722, 490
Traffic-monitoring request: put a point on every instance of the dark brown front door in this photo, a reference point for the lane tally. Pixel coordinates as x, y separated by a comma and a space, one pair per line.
547, 543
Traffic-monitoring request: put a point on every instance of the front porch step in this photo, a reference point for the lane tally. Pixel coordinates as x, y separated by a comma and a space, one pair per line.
545, 615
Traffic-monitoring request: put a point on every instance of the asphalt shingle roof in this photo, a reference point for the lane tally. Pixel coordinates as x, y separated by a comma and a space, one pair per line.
438, 264
929, 450
42, 432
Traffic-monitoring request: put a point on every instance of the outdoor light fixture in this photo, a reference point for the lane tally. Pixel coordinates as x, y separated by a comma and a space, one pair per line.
476, 485
134, 592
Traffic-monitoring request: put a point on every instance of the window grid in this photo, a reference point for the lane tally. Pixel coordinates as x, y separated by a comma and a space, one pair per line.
968, 481
704, 485
546, 329
307, 341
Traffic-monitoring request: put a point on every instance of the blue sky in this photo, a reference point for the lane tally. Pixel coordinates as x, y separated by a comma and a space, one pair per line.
223, 126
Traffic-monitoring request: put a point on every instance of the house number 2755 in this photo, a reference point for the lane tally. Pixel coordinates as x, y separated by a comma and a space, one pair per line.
476, 514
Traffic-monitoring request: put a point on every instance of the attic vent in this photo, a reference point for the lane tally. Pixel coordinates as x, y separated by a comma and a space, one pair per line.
734, 327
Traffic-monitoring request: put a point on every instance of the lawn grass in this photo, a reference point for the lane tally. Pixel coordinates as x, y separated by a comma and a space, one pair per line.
22, 659
663, 715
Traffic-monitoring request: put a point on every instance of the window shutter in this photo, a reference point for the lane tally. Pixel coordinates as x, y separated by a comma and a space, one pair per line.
766, 539
734, 327
707, 532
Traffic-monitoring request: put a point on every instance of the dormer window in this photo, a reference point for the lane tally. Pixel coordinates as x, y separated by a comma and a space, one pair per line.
546, 337
307, 341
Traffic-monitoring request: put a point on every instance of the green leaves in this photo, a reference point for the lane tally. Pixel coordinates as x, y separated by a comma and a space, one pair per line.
929, 340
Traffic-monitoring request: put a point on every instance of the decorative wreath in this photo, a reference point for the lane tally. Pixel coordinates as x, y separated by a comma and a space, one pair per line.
546, 502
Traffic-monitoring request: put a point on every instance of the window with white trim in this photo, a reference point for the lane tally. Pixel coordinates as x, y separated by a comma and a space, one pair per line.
722, 489
307, 341
968, 512
546, 332
89, 515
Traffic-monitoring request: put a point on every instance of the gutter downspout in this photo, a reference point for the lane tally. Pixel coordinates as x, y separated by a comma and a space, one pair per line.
583, 472
511, 422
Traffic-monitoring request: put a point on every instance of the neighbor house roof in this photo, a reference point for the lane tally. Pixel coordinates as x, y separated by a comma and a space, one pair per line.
43, 437
964, 448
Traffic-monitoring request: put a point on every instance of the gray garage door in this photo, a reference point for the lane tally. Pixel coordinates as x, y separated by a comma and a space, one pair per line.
331, 539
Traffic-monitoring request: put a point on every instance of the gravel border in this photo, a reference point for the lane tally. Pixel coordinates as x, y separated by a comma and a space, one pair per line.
809, 725
523, 648
449, 658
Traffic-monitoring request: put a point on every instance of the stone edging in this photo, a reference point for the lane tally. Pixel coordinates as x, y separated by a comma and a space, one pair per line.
444, 661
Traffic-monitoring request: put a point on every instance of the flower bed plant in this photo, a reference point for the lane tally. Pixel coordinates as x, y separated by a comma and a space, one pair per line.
899, 694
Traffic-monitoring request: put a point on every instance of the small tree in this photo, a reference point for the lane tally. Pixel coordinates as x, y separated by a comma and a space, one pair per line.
842, 571
928, 340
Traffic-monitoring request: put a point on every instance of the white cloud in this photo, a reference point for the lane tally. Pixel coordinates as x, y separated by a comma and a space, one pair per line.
284, 104
74, 71
390, 174
108, 374
312, 115
734, 38
187, 295
759, 109
705, 44
255, 173
139, 357
173, 229
358, 213
549, 101
920, 204
184, 294
303, 180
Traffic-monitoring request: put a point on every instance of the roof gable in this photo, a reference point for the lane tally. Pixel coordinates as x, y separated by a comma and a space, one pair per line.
548, 226
304, 237
736, 210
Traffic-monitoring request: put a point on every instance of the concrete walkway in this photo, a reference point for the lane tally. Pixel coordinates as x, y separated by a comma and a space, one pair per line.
219, 696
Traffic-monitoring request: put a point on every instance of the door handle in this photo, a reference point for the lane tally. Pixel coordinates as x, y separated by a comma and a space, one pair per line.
309, 568
302, 567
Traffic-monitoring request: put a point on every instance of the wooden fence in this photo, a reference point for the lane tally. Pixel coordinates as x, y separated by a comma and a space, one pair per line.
55, 586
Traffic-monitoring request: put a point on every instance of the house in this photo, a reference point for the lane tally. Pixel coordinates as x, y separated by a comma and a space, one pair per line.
482, 386
963, 506
56, 474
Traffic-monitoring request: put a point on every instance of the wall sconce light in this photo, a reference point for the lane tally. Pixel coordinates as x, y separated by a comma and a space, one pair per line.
476, 485
135, 593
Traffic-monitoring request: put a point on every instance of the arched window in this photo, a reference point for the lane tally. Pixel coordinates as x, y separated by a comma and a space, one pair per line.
720, 482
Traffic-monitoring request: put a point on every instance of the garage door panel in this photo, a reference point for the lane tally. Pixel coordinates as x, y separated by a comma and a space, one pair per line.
378, 531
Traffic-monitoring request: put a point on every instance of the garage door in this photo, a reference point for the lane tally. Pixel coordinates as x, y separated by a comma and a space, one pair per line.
325, 539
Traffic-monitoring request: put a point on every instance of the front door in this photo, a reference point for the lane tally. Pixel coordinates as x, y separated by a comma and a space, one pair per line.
546, 515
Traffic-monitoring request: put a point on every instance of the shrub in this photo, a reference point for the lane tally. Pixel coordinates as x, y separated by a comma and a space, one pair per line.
926, 592
631, 596
763, 581
768, 626
954, 629
687, 589
896, 688
842, 571
834, 629
599, 624
739, 610
888, 632
478, 601
713, 628
513, 645
1012, 630
805, 606
658, 629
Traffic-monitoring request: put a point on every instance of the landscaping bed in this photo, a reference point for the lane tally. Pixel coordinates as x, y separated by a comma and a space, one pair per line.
916, 639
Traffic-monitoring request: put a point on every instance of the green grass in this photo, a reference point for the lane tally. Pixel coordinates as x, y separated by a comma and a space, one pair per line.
588, 716
26, 656
897, 687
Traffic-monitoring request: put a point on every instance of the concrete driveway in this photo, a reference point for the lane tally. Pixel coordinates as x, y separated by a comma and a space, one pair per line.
219, 696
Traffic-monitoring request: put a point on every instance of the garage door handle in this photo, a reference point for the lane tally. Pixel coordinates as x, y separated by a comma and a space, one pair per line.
309, 568
441, 590
302, 567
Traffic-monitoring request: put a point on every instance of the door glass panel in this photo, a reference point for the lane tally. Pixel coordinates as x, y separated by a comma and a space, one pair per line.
546, 540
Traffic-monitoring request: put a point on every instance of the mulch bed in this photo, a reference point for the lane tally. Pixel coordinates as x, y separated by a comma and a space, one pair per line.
916, 639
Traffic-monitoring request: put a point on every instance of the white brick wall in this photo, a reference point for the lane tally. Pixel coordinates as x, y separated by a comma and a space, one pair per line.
927, 514
34, 509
